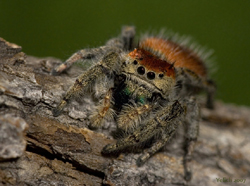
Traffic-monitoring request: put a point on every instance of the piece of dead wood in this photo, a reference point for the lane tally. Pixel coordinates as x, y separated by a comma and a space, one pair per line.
63, 151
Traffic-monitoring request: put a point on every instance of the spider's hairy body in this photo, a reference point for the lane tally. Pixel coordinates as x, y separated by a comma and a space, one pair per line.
147, 90
182, 57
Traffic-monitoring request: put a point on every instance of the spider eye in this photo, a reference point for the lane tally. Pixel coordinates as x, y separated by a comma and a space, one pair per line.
161, 75
135, 62
141, 70
151, 75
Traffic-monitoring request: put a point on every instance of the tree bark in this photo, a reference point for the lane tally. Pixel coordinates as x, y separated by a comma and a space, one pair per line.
39, 149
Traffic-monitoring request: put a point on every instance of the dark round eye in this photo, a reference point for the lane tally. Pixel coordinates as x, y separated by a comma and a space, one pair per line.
135, 62
161, 75
141, 70
151, 75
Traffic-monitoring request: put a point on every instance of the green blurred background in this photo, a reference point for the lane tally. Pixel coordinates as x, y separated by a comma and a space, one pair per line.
59, 28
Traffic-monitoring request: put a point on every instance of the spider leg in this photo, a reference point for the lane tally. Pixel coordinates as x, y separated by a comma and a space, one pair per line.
163, 121
124, 42
128, 34
107, 65
192, 131
194, 82
154, 148
131, 116
211, 90
103, 111
80, 55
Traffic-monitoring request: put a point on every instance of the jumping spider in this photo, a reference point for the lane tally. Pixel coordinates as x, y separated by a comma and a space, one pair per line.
147, 89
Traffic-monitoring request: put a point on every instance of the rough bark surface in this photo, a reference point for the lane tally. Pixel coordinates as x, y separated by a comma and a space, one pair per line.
39, 149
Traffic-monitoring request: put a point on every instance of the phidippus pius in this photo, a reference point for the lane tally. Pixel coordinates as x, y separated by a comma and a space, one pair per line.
148, 89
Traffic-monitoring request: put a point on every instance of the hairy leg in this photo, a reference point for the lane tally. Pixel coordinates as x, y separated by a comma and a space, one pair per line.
124, 43
108, 64
154, 148
83, 54
131, 116
211, 90
192, 81
162, 121
104, 111
128, 34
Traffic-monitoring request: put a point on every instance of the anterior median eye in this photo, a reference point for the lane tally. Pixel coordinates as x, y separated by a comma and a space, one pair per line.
141, 70
161, 75
151, 75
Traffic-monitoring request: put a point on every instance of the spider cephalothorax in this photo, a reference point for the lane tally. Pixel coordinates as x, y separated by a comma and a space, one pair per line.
148, 90
147, 66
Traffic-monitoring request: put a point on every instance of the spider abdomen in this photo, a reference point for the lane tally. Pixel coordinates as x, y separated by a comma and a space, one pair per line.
175, 53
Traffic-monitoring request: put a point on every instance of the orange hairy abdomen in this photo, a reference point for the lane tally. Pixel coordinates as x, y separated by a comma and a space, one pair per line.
175, 53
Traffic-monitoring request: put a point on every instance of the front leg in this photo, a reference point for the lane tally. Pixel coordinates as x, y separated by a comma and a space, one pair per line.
83, 54
104, 111
125, 42
107, 65
154, 148
164, 121
131, 116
